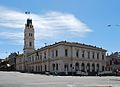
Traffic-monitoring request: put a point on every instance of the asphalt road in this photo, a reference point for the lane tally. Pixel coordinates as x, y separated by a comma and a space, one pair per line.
16, 79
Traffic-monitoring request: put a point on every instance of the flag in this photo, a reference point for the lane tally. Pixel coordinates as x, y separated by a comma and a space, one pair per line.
109, 25
27, 12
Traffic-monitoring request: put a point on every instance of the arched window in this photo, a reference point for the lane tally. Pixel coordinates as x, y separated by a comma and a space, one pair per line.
97, 67
93, 67
83, 54
77, 67
77, 53
88, 67
53, 67
41, 68
66, 68
103, 68
45, 68
56, 66
82, 67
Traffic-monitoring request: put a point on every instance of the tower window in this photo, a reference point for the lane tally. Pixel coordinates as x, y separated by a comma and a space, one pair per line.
31, 26
30, 34
30, 44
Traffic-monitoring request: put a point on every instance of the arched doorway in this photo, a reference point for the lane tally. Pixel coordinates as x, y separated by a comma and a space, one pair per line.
83, 67
66, 69
88, 67
77, 66
53, 67
97, 68
93, 67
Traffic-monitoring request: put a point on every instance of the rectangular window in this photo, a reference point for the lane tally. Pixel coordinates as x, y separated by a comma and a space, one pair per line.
88, 55
102, 56
56, 53
97, 55
77, 53
32, 58
45, 55
41, 56
93, 55
36, 58
83, 54
66, 52
52, 53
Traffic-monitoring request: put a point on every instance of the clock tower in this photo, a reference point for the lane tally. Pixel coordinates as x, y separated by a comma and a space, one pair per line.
28, 37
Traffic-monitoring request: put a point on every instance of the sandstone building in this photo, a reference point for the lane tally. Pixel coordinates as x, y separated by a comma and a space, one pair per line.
63, 58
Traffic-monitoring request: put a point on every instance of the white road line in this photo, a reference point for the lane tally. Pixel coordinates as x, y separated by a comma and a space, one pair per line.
70, 85
46, 83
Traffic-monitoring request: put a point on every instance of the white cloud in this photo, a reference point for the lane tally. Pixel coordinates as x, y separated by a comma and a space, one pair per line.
17, 37
54, 25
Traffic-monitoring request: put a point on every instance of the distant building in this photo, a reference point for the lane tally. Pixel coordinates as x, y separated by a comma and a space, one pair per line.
20, 63
114, 61
63, 58
11, 59
1, 60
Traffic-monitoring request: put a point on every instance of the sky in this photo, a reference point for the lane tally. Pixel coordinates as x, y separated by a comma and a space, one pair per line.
83, 21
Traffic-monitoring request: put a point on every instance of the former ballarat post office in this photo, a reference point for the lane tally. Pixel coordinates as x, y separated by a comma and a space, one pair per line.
62, 58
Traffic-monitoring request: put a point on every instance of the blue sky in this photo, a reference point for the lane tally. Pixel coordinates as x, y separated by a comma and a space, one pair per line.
83, 21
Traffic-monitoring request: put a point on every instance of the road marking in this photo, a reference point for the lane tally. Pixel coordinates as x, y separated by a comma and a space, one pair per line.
70, 85
46, 83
